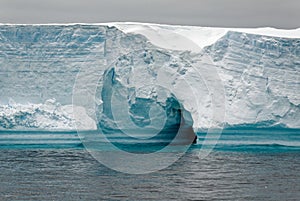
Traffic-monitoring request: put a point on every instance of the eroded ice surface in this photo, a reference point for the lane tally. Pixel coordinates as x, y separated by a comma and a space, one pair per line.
259, 69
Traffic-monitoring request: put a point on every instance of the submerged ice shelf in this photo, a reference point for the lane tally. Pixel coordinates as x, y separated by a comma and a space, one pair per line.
259, 69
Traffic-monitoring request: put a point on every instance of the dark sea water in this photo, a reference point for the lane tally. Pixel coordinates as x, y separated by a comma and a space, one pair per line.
247, 166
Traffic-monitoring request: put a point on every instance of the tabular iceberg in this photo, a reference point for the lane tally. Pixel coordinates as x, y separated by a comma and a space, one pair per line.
158, 74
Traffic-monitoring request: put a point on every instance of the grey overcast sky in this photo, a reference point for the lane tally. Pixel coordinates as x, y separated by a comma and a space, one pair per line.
222, 13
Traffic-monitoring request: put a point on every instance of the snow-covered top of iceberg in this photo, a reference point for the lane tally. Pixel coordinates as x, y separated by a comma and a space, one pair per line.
166, 36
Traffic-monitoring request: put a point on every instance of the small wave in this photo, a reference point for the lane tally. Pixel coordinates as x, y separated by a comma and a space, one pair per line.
258, 148
252, 147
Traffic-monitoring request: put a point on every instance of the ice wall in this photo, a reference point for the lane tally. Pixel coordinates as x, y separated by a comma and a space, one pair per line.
260, 74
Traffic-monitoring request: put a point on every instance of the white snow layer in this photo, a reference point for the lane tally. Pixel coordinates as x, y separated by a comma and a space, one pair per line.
168, 37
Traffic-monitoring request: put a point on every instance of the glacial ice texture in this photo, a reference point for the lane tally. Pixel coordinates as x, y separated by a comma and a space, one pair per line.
39, 63
262, 78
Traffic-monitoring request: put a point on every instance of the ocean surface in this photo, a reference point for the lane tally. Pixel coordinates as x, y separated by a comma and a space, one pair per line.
245, 165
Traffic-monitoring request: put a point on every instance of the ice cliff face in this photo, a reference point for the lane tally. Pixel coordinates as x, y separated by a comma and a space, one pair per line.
156, 74
262, 78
